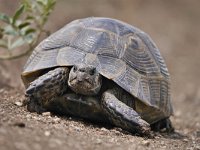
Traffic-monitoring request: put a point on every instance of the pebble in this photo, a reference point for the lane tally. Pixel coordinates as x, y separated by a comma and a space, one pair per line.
117, 132
98, 141
2, 90
112, 140
162, 142
46, 114
28, 116
185, 140
47, 133
164, 146
104, 130
56, 120
18, 103
145, 142
157, 137
77, 129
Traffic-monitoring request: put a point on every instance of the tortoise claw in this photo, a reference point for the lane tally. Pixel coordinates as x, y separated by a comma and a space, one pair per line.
163, 125
34, 106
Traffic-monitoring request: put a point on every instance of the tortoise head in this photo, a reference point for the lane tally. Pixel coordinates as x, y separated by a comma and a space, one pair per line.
84, 79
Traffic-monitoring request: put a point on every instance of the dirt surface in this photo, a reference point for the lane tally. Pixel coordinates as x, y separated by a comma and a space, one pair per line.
173, 25
23, 130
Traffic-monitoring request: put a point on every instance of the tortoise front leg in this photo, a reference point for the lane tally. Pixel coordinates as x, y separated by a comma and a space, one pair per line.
122, 115
73, 104
45, 88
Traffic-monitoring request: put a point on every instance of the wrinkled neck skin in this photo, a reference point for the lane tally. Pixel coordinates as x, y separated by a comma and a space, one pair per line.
85, 80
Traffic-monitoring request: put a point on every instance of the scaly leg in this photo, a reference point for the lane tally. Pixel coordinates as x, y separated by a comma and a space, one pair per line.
122, 115
45, 88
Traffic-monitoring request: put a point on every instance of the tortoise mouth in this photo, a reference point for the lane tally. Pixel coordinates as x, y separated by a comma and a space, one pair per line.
74, 81
84, 87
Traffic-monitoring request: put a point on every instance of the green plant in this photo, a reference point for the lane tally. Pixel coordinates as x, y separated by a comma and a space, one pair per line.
24, 28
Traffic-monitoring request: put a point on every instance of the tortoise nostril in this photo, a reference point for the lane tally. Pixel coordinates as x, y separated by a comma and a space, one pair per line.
92, 71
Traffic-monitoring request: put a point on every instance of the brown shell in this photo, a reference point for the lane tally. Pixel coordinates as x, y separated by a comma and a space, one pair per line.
119, 51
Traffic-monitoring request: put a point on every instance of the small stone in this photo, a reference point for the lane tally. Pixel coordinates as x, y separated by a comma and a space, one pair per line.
162, 142
77, 129
164, 146
112, 140
146, 143
28, 116
2, 90
157, 137
98, 141
18, 103
56, 120
49, 117
117, 132
185, 140
46, 114
35, 117
47, 133
104, 130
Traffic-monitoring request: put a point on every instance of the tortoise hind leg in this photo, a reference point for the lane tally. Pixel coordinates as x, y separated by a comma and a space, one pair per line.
45, 88
122, 115
164, 125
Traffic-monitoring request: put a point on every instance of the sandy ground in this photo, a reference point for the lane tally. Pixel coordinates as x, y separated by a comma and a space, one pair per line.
23, 130
174, 26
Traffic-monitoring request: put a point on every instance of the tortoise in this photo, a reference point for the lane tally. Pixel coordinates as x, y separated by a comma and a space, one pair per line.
101, 69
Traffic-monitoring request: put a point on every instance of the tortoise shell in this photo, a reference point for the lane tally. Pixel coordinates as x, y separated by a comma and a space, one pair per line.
119, 51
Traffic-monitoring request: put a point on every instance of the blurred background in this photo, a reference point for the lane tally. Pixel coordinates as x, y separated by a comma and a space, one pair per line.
174, 25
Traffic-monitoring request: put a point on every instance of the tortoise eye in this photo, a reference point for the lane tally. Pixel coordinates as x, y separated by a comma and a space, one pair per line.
75, 68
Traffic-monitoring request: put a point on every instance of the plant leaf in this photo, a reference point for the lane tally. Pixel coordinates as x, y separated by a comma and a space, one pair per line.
42, 2
10, 31
51, 4
18, 13
1, 33
31, 30
30, 38
4, 18
3, 44
17, 43
23, 25
29, 18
